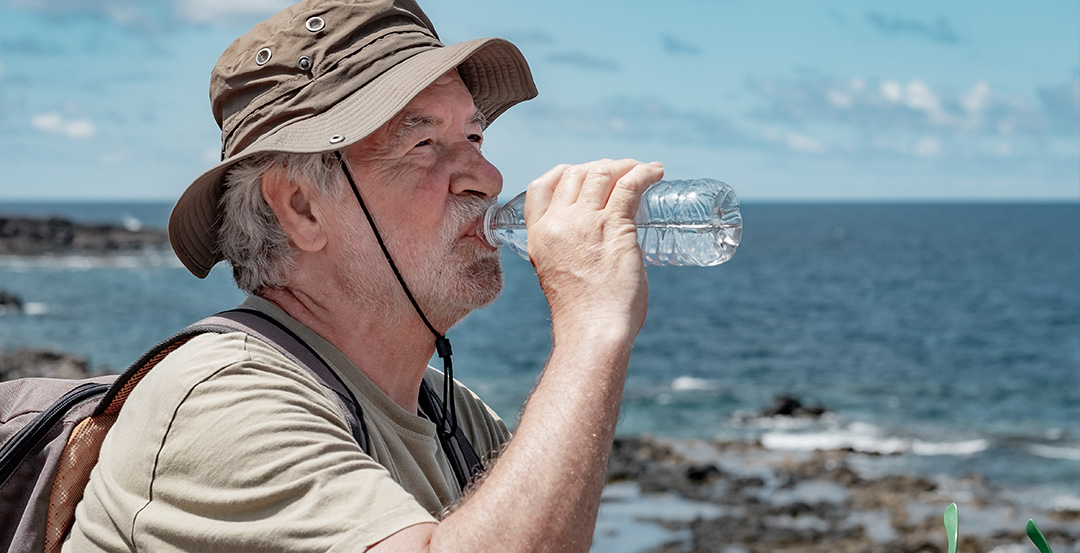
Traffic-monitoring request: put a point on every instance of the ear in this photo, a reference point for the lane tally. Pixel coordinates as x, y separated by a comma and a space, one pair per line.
291, 203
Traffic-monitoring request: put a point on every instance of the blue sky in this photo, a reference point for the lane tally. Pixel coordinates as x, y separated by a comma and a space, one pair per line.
785, 100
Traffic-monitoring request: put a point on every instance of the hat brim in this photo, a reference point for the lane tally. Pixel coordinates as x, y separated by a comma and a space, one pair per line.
493, 69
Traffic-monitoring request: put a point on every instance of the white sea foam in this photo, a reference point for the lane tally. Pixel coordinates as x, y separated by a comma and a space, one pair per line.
832, 440
868, 438
963, 447
132, 224
35, 308
1055, 452
689, 383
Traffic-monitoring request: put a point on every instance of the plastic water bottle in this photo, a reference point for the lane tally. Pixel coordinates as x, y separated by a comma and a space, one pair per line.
681, 222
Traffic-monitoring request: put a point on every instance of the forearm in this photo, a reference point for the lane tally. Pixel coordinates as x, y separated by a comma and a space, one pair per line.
545, 489
544, 493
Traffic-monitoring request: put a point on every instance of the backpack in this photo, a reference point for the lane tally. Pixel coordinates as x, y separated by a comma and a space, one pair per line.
52, 429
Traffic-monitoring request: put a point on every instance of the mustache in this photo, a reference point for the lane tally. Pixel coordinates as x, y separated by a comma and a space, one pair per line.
466, 209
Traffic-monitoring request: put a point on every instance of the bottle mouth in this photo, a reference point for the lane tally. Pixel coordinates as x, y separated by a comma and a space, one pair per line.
487, 227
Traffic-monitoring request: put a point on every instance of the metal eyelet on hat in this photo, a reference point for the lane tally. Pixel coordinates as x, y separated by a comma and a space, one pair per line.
315, 24
304, 63
263, 56
337, 138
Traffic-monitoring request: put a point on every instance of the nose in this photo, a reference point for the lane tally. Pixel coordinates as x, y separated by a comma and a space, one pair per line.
474, 174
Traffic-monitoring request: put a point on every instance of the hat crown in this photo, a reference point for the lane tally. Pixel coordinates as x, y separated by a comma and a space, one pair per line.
312, 43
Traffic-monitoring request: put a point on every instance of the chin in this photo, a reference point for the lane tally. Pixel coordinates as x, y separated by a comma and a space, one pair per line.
485, 281
474, 284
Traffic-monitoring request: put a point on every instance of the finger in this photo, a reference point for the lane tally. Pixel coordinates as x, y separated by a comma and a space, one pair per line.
626, 195
601, 179
539, 192
569, 187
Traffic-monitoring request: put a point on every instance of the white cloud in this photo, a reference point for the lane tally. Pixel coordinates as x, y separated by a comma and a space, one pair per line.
54, 123
891, 91
888, 105
155, 15
977, 99
212, 11
918, 96
927, 146
647, 119
122, 12
805, 144
839, 98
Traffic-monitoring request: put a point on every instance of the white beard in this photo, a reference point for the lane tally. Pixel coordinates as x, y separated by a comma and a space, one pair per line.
449, 278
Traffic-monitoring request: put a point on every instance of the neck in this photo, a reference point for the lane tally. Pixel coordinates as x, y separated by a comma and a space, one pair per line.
393, 355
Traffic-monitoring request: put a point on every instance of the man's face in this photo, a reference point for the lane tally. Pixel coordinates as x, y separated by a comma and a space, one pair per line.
427, 185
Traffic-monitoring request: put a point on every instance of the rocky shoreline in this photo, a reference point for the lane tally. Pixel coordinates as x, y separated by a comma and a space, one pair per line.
687, 496
30, 236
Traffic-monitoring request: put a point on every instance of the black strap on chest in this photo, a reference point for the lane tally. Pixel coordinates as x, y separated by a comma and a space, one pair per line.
459, 451
463, 458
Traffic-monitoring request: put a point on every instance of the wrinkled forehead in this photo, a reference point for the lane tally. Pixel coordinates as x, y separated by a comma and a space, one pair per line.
431, 109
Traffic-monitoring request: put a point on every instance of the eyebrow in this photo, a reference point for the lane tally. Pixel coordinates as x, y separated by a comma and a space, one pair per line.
411, 122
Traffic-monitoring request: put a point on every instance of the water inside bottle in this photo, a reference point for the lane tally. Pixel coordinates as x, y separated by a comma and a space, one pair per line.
678, 244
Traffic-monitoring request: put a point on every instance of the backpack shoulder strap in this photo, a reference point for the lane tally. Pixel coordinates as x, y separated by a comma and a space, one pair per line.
290, 345
463, 458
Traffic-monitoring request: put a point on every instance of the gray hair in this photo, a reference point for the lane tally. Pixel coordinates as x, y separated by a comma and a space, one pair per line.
250, 237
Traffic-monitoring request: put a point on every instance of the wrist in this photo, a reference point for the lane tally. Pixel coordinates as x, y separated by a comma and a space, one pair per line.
602, 334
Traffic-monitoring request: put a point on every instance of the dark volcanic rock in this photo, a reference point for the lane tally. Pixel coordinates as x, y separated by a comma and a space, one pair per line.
761, 501
9, 302
786, 406
32, 236
37, 362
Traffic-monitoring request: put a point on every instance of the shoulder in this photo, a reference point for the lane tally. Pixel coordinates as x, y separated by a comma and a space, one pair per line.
230, 363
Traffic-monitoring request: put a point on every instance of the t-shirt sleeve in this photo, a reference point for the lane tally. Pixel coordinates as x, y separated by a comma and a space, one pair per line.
256, 457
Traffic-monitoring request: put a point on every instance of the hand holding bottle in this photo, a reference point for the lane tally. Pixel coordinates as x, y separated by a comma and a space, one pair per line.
583, 243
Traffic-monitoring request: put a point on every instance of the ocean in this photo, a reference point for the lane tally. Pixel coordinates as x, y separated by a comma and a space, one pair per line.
945, 337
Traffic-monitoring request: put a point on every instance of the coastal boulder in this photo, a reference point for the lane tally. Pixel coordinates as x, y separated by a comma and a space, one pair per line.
50, 235
9, 302
26, 363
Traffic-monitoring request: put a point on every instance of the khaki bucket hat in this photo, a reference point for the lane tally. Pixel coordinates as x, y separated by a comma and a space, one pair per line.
322, 75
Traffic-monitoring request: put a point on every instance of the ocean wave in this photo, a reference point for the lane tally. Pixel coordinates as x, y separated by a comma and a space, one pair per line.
690, 383
751, 420
867, 438
83, 262
1055, 452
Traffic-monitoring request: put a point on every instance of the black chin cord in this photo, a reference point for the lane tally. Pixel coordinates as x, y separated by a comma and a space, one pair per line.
448, 424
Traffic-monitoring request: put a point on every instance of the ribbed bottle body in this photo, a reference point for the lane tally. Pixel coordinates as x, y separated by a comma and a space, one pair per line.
689, 222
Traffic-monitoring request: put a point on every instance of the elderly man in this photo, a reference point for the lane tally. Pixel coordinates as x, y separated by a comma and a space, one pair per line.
347, 203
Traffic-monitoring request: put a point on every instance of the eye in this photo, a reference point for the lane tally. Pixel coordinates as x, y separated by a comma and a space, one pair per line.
477, 138
423, 143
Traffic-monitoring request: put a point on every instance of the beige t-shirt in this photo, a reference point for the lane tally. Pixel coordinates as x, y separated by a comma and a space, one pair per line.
228, 446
